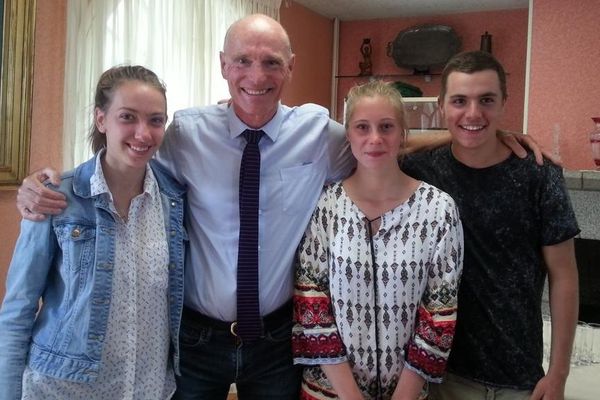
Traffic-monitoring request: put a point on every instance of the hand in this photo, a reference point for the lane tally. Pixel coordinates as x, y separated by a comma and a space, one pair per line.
549, 388
35, 200
516, 140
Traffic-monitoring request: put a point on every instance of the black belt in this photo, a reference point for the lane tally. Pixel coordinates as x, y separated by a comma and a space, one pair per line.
270, 321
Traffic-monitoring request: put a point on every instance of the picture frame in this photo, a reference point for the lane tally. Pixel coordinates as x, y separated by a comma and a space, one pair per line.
16, 89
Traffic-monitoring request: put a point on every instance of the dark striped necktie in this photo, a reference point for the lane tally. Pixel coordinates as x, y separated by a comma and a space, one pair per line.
248, 310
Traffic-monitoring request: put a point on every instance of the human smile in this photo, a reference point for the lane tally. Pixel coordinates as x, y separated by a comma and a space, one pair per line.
255, 92
473, 128
139, 149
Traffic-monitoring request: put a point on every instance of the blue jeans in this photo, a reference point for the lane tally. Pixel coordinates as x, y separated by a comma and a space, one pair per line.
211, 360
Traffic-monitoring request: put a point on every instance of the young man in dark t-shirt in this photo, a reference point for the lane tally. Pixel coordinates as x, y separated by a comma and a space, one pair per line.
519, 226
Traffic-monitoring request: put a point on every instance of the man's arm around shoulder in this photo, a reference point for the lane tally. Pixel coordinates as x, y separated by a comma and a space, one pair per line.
35, 201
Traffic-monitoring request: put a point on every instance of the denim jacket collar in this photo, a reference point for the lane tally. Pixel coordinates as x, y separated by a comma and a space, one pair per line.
81, 179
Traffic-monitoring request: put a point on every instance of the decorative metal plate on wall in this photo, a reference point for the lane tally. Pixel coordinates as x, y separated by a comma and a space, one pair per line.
422, 47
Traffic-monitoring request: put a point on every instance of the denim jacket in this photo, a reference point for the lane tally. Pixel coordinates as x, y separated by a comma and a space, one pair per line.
67, 261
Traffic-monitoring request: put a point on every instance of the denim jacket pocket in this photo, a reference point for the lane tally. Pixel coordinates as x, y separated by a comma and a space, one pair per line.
77, 244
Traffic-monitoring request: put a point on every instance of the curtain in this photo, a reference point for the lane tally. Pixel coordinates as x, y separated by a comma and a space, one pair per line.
179, 40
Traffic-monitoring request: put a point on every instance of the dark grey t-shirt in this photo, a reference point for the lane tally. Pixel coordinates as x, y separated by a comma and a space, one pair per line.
509, 211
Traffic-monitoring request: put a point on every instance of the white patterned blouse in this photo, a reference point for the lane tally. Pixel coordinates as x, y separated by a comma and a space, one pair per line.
382, 302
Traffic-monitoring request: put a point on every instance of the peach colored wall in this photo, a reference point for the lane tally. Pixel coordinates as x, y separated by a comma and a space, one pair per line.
509, 45
564, 91
311, 79
48, 76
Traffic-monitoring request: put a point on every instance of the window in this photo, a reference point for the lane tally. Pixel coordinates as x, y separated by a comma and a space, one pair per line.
179, 40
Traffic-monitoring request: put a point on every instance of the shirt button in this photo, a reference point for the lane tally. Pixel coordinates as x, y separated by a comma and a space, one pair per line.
173, 204
75, 233
173, 233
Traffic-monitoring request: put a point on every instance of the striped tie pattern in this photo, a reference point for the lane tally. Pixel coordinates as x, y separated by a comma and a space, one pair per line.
248, 311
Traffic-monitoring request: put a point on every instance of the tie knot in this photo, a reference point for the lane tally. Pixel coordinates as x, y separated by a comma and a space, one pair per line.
253, 136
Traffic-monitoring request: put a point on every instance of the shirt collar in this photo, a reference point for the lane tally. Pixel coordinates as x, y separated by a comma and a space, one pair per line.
271, 128
99, 186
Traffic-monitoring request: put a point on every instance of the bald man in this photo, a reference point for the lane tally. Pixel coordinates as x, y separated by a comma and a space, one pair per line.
300, 150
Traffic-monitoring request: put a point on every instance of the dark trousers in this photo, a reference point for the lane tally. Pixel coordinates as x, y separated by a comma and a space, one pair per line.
212, 358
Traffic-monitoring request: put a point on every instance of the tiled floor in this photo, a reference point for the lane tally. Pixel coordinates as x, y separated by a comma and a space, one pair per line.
583, 383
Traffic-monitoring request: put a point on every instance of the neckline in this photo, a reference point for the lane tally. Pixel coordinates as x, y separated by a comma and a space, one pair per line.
383, 216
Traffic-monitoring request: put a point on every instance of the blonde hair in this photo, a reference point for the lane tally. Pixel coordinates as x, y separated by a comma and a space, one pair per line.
377, 88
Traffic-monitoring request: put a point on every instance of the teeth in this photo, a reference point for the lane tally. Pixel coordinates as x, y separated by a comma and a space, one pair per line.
140, 149
255, 92
472, 127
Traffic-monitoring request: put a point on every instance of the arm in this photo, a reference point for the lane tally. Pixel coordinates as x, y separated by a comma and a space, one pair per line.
25, 284
341, 160
170, 150
341, 378
426, 141
409, 386
35, 201
517, 142
564, 306
428, 350
315, 337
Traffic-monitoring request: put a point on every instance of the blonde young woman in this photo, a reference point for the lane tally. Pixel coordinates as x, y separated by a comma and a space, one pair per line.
379, 267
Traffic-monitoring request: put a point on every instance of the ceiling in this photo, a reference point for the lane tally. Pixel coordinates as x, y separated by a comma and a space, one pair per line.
347, 10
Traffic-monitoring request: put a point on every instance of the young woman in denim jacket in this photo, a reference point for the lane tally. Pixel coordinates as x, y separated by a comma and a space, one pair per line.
108, 270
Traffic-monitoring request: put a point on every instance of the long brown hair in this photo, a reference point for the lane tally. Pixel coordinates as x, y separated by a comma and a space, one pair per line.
109, 82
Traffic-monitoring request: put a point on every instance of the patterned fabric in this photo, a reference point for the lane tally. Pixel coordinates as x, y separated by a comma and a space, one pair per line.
399, 312
509, 211
135, 360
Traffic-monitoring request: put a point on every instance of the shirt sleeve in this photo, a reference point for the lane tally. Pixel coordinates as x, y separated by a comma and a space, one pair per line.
341, 160
315, 337
428, 350
558, 218
25, 283
169, 149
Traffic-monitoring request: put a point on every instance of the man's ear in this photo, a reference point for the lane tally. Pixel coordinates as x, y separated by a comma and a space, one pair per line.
440, 103
290, 65
223, 64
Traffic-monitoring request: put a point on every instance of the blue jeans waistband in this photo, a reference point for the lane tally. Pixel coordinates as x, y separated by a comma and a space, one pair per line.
270, 322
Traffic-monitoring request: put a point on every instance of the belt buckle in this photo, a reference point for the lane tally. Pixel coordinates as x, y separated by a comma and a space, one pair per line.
233, 328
